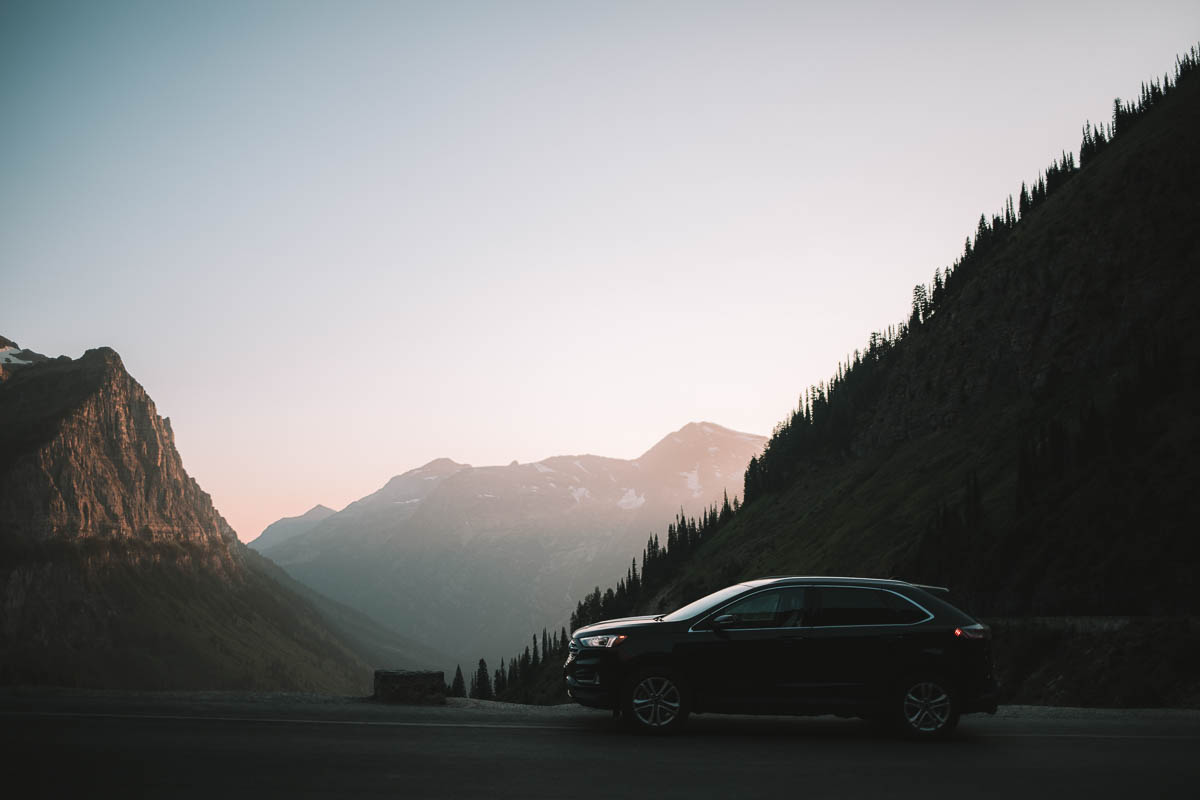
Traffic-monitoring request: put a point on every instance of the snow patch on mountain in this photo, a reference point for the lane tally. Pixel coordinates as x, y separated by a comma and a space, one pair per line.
631, 500
8, 355
693, 481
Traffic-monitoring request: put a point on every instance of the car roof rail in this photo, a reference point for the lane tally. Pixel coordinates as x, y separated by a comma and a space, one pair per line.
933, 589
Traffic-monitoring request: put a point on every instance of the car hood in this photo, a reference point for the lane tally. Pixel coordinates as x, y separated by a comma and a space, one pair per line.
606, 625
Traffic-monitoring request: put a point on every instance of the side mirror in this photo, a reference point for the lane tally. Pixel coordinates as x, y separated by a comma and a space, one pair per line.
725, 620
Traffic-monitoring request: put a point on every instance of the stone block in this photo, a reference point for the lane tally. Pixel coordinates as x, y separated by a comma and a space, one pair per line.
414, 688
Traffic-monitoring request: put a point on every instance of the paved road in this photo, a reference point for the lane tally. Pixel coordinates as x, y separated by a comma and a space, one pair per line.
223, 747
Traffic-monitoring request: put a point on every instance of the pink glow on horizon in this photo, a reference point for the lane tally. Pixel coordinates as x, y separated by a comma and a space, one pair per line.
337, 241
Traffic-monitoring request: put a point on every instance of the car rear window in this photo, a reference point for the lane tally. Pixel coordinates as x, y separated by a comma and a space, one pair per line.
852, 605
906, 612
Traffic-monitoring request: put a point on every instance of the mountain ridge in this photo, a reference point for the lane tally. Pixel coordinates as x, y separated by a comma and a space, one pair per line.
447, 526
117, 571
288, 527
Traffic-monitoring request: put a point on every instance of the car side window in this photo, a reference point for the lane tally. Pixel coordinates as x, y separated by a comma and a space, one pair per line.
905, 611
850, 605
775, 608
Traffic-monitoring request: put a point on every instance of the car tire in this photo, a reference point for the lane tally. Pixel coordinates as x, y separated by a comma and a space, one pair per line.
655, 701
926, 707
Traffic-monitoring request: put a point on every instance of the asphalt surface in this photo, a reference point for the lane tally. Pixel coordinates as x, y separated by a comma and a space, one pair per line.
221, 746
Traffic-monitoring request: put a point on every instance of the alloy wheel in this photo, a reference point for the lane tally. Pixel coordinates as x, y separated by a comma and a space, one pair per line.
656, 701
927, 707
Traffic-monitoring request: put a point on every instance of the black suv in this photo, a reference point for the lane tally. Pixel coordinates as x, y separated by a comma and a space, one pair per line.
878, 649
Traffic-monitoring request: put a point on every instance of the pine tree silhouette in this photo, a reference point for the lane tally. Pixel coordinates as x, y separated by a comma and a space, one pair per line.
481, 683
458, 687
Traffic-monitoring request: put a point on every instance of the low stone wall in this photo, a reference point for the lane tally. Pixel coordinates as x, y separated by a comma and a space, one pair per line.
410, 687
1129, 662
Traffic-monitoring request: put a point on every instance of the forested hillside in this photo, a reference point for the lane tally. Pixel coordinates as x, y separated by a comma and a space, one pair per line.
1028, 436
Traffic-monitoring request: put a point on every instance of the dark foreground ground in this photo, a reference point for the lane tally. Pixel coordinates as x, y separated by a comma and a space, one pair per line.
225, 745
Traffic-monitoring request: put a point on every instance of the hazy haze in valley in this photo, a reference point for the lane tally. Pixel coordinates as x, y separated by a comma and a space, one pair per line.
337, 241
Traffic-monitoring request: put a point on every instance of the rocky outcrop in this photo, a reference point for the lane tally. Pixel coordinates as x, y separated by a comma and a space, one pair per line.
116, 570
84, 455
410, 688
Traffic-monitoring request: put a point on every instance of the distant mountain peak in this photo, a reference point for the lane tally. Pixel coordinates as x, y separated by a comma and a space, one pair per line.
713, 429
442, 465
290, 527
707, 435
405, 552
438, 468
317, 512
704, 429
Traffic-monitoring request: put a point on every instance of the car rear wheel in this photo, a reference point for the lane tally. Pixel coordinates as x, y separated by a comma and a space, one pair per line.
656, 702
927, 707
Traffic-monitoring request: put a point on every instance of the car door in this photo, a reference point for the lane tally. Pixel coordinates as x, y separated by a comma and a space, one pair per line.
796, 676
739, 665
850, 646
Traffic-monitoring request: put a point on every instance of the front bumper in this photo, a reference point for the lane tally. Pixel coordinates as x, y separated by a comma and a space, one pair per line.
591, 696
591, 680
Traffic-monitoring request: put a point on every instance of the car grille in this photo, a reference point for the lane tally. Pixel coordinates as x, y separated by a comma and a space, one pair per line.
587, 677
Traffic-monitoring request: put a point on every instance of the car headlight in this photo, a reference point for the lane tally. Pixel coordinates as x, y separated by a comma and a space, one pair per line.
607, 640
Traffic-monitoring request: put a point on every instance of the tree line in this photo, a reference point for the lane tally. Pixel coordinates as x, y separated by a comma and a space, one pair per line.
822, 425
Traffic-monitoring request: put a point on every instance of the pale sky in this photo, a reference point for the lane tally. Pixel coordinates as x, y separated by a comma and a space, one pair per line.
337, 240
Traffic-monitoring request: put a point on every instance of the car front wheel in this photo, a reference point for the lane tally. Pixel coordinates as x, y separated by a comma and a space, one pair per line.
656, 702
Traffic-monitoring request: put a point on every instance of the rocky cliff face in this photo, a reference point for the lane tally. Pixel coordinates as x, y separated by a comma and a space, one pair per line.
116, 570
85, 456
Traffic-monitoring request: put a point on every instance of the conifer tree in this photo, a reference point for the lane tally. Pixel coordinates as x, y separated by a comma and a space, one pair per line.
458, 688
500, 683
481, 683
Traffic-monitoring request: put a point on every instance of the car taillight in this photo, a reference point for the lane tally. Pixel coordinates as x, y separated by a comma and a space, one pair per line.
976, 631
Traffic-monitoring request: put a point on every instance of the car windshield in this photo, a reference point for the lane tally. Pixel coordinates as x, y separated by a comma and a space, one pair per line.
704, 603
